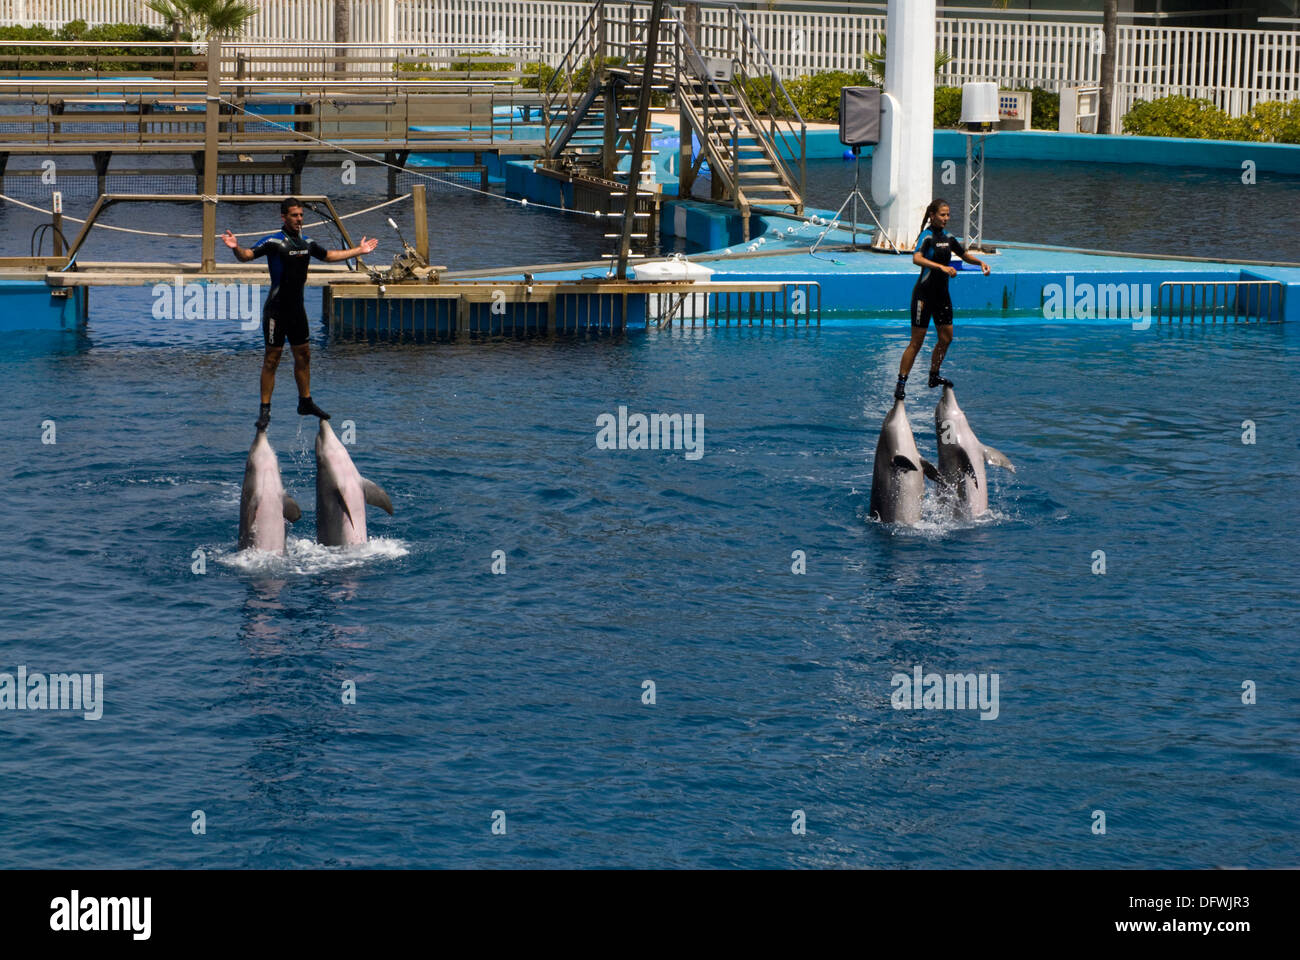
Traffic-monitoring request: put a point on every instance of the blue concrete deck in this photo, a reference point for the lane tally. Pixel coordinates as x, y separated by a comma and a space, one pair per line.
1024, 278
874, 286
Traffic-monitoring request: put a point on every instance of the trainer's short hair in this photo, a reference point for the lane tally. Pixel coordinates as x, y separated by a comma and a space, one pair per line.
288, 202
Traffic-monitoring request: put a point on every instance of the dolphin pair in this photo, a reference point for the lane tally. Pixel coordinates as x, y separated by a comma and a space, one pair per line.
341, 497
898, 478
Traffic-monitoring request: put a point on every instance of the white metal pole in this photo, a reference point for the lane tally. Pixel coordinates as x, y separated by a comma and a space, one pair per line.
902, 164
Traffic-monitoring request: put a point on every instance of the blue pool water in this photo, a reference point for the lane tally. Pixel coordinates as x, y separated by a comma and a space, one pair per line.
522, 692
1137, 208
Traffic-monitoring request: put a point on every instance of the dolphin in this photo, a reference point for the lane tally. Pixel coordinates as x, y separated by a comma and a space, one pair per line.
263, 504
898, 480
342, 494
962, 457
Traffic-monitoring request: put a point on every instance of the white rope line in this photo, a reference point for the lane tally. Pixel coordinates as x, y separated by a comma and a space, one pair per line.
523, 202
199, 236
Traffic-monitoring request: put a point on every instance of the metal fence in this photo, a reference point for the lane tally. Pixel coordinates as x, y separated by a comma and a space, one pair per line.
1234, 68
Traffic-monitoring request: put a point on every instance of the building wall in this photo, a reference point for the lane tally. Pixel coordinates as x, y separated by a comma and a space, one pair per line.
1179, 13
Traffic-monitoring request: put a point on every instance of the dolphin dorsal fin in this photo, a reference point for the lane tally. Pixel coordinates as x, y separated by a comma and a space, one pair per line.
901, 462
292, 512
998, 458
375, 496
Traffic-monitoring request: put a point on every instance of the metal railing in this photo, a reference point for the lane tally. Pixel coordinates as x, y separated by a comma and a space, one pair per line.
1219, 301
300, 61
612, 37
168, 115
787, 131
1233, 67
477, 310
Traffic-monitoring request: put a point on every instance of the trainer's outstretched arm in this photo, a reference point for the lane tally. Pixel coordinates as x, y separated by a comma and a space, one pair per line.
366, 246
241, 253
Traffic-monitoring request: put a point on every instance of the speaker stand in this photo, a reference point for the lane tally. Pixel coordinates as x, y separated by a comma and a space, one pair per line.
854, 198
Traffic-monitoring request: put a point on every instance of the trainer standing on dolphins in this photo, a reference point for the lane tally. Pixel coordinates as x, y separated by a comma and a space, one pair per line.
284, 317
933, 254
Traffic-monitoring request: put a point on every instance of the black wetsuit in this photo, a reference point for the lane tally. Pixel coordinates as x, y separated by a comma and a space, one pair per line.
930, 295
287, 256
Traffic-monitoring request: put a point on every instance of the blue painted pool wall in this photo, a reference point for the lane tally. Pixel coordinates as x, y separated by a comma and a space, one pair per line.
28, 305
1044, 145
1022, 292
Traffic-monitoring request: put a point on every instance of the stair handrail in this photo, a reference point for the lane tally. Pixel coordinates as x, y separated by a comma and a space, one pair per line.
683, 37
786, 153
567, 67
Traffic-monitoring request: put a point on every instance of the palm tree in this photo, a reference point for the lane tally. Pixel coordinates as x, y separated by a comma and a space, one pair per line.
876, 61
204, 18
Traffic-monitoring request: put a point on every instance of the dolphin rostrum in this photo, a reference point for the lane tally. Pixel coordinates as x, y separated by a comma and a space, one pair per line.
342, 494
962, 457
898, 480
263, 504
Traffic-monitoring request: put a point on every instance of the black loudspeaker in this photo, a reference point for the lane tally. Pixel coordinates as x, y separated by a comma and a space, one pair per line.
859, 116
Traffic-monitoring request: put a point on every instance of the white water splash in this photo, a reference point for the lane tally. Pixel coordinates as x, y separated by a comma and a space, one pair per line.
307, 558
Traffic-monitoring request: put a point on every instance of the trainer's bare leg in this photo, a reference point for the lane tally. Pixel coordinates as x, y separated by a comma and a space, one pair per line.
909, 354
909, 358
936, 358
270, 363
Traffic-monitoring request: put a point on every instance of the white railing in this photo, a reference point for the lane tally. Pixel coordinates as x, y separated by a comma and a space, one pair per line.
1234, 68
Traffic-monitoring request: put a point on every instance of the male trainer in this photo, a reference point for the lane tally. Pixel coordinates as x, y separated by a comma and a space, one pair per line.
284, 317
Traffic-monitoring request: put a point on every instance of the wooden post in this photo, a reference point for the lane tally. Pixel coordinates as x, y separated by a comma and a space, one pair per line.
421, 221
211, 125
241, 69
57, 223
639, 138
176, 51
685, 174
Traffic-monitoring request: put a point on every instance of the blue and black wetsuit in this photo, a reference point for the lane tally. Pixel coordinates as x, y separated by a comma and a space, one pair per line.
930, 295
288, 256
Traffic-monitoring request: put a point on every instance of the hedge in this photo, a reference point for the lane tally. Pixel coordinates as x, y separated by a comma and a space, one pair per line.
1198, 119
77, 30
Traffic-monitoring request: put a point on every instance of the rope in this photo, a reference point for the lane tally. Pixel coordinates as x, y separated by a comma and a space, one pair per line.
199, 236
523, 202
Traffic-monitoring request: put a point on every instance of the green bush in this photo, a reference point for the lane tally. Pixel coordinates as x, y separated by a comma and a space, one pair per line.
578, 82
469, 63
1272, 121
1045, 112
76, 30
816, 96
947, 107
1182, 117
536, 76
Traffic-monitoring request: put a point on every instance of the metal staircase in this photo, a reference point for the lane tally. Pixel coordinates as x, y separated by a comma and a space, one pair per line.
590, 106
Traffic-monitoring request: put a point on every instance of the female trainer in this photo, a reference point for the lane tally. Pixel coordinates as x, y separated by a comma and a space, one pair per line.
933, 253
